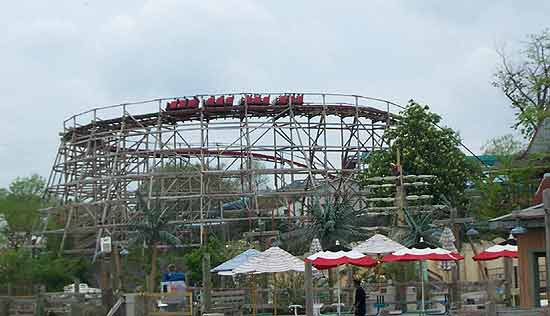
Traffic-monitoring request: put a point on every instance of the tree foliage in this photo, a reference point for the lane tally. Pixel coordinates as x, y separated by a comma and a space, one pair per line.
152, 230
20, 268
418, 226
503, 146
19, 205
425, 149
526, 82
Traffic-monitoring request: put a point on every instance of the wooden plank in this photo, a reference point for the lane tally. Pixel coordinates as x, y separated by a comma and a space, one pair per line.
464, 220
170, 313
228, 293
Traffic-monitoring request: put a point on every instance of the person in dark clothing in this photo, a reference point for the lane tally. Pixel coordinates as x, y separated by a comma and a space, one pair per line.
360, 299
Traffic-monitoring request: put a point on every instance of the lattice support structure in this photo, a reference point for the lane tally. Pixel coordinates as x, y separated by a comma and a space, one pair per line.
184, 158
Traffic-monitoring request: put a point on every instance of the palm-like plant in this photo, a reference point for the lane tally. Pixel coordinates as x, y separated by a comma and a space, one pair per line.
418, 225
152, 231
335, 219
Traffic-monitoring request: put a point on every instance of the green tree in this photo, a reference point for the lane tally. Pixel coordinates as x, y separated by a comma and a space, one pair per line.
526, 82
425, 148
28, 186
19, 206
509, 184
193, 259
503, 146
152, 230
20, 269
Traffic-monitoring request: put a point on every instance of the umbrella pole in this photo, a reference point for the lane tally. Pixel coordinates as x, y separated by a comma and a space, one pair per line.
378, 276
338, 280
274, 297
422, 285
254, 295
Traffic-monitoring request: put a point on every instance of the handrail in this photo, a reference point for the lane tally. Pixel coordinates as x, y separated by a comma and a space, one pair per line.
99, 108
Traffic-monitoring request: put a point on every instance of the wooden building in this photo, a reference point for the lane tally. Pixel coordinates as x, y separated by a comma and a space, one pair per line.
531, 251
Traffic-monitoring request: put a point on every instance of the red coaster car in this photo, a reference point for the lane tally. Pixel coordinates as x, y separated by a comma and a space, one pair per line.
182, 104
297, 100
229, 100
210, 101
220, 101
282, 100
193, 103
172, 105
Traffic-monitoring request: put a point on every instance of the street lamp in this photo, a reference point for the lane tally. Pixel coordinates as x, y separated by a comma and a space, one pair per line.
472, 232
518, 230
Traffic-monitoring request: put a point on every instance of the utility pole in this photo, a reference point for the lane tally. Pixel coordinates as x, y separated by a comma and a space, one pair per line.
546, 199
400, 197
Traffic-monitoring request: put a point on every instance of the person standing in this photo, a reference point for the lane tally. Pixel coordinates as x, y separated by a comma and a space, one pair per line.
359, 305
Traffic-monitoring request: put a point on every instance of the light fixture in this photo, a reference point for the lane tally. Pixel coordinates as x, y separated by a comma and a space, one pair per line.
472, 232
518, 230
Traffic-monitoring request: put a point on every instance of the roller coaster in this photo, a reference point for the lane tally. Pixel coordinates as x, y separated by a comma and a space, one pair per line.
185, 151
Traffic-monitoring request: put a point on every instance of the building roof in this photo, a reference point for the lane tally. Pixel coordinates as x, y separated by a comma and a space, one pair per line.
529, 217
488, 160
544, 184
540, 142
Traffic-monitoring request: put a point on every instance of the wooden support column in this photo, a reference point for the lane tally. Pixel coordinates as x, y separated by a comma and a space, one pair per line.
509, 280
309, 289
205, 296
491, 309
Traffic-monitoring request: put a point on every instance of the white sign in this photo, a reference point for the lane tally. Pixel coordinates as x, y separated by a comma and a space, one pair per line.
105, 244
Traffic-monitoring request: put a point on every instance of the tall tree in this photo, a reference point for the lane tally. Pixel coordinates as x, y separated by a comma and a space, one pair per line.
152, 230
509, 184
19, 205
503, 146
526, 82
425, 148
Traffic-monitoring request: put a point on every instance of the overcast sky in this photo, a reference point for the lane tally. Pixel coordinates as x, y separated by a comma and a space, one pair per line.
62, 57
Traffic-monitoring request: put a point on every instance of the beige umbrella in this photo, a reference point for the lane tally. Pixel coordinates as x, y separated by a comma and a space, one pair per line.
378, 245
272, 260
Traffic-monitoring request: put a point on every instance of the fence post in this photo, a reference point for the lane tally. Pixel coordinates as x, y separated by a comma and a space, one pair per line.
205, 296
309, 289
491, 303
509, 280
5, 307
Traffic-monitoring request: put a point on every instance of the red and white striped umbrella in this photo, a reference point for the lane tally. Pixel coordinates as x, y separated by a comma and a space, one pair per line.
338, 255
420, 252
331, 259
423, 251
507, 248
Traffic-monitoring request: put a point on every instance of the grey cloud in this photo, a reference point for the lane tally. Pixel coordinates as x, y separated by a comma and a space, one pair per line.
63, 57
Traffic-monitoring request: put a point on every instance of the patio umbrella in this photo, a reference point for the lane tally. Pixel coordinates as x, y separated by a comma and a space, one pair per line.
338, 255
420, 252
507, 248
330, 259
378, 245
447, 241
272, 260
227, 267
